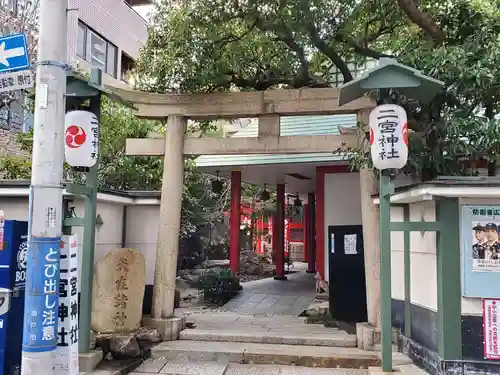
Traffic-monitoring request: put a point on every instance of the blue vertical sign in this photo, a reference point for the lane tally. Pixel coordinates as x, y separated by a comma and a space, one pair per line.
12, 266
42, 295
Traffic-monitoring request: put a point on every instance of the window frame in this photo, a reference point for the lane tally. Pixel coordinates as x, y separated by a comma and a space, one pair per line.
89, 57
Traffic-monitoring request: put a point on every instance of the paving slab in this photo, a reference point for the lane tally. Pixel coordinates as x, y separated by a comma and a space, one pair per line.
215, 368
295, 294
338, 339
241, 369
193, 368
252, 353
151, 366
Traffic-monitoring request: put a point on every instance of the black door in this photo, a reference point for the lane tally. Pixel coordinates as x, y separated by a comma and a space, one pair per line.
347, 273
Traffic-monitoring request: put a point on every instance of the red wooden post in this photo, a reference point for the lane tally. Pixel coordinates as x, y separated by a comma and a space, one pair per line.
311, 259
234, 235
280, 232
305, 221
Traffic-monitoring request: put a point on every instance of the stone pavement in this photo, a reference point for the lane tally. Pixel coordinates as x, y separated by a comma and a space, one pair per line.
288, 330
161, 366
275, 297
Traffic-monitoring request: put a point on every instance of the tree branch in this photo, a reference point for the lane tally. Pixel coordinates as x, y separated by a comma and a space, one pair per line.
321, 45
358, 48
423, 20
285, 35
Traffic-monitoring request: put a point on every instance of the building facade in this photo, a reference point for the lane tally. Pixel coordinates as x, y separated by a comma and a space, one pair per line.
107, 34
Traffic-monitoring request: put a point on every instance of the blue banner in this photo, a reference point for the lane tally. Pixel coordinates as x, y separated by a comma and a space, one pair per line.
42, 295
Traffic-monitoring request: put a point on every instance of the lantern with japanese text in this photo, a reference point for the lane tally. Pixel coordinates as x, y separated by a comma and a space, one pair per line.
81, 139
389, 137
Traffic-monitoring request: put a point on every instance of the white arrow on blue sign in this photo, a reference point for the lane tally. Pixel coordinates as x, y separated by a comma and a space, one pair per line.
13, 53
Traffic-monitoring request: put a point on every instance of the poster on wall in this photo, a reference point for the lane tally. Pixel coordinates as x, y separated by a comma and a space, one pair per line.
491, 327
485, 227
480, 250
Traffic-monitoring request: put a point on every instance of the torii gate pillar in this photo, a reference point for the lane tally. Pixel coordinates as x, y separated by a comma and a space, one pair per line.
168, 231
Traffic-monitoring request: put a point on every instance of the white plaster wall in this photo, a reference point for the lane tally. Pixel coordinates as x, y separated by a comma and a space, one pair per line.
141, 234
423, 258
397, 257
14, 208
473, 306
108, 236
342, 204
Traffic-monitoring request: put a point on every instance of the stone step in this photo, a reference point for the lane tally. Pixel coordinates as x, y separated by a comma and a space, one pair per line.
333, 339
269, 354
177, 367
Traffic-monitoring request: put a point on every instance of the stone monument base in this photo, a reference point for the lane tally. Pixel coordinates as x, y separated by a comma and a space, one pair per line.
369, 337
88, 361
169, 328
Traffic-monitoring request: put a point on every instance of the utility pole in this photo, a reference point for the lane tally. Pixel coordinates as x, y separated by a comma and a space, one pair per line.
42, 280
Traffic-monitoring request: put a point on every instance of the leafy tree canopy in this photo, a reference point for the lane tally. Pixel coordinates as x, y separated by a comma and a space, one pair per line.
211, 45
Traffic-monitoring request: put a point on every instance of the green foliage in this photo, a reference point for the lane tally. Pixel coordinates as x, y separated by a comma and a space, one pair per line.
120, 172
261, 44
13, 167
200, 45
218, 285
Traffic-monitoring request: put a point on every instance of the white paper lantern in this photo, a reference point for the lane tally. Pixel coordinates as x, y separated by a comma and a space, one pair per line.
389, 137
81, 138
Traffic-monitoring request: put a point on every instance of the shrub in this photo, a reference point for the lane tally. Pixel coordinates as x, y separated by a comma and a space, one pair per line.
218, 285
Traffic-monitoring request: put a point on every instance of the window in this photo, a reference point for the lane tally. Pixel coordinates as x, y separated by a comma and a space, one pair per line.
93, 48
127, 66
112, 54
81, 41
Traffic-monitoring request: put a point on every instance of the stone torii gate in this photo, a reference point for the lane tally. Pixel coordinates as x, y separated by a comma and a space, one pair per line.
267, 106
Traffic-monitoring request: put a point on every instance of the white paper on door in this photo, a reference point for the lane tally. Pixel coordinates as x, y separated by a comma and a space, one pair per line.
350, 244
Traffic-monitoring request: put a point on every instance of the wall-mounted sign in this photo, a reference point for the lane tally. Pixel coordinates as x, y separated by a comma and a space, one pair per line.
491, 327
81, 139
388, 137
480, 228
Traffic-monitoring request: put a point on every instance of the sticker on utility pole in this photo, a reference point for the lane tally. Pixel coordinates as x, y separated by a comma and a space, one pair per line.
50, 218
66, 357
42, 298
2, 225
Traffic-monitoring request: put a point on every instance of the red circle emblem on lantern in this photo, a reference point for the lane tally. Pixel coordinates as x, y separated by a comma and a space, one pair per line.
75, 136
405, 134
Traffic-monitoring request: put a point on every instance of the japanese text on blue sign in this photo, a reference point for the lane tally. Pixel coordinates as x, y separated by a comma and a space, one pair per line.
42, 295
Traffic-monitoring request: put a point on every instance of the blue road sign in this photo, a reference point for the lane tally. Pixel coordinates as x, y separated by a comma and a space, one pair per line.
13, 53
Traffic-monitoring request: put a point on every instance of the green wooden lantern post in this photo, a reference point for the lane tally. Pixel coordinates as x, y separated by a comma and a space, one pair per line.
83, 93
389, 149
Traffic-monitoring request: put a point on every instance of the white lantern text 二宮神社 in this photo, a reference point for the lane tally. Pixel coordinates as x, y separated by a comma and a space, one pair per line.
389, 137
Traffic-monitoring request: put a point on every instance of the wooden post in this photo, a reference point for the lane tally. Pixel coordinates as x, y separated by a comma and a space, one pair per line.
280, 232
234, 235
305, 224
311, 259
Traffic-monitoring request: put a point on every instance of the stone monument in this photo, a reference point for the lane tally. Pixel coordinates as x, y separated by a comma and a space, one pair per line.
118, 292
